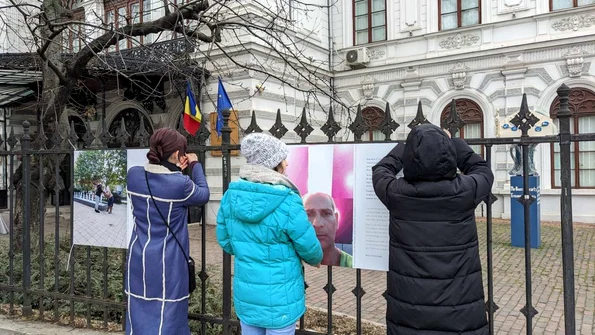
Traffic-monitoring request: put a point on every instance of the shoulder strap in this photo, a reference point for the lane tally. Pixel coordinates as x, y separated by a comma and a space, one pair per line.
163, 218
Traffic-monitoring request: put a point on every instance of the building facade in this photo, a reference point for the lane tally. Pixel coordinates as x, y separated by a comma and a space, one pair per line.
485, 54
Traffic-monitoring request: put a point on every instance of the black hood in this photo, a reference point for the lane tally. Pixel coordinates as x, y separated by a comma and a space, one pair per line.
429, 155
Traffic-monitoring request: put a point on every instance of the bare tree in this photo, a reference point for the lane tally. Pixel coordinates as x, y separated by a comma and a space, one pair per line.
266, 34
266, 38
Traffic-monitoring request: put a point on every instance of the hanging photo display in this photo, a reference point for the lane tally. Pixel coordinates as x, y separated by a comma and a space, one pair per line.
100, 204
335, 182
102, 213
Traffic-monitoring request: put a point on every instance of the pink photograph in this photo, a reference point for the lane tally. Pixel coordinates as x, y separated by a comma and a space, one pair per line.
326, 187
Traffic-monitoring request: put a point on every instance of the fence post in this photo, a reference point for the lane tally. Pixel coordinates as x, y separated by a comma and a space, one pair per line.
225, 158
525, 120
25, 147
566, 211
491, 305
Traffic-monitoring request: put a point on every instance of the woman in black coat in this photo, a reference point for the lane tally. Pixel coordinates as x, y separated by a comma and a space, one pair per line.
434, 283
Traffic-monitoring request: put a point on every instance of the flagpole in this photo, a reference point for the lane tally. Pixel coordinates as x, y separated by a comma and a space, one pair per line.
200, 87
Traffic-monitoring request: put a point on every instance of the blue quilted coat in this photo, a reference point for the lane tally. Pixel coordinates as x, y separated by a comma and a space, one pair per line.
262, 222
157, 273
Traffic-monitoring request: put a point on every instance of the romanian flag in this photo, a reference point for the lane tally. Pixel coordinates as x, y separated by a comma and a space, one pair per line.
192, 115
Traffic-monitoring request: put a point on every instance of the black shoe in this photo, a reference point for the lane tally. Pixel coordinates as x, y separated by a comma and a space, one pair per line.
96, 211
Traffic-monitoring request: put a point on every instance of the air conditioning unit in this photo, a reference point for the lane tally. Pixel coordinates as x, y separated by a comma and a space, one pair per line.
358, 58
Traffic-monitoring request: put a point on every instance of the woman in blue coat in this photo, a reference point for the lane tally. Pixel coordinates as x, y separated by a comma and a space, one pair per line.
263, 223
157, 272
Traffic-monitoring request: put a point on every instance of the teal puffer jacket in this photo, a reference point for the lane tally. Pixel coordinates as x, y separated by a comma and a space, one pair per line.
266, 228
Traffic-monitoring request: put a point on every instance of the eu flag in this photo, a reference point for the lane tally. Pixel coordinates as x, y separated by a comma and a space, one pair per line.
192, 115
223, 103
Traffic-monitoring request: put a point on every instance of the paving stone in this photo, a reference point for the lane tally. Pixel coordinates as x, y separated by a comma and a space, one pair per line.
100, 229
509, 280
10, 326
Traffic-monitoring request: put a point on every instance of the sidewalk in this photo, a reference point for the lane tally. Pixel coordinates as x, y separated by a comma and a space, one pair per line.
13, 326
509, 284
100, 229
509, 280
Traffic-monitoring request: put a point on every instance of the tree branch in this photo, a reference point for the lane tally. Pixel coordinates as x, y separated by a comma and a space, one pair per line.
167, 22
166, 7
13, 5
59, 73
41, 51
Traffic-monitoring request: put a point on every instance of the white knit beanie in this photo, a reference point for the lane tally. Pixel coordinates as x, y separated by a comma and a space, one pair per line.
263, 149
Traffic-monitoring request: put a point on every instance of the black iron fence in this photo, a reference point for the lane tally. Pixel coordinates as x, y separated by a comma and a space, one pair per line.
57, 281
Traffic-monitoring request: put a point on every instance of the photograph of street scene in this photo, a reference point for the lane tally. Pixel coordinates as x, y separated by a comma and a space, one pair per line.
99, 198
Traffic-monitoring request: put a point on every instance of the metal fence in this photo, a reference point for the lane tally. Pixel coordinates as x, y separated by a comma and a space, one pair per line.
41, 280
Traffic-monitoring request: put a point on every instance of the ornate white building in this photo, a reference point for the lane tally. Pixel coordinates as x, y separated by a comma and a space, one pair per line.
485, 54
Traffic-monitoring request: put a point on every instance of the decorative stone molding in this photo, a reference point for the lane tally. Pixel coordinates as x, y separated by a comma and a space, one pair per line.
116, 107
575, 66
409, 86
435, 68
347, 96
498, 94
459, 40
488, 79
514, 59
431, 84
459, 75
541, 73
511, 6
497, 122
376, 53
414, 102
514, 80
574, 22
368, 85
410, 15
512, 3
575, 61
412, 72
411, 101
389, 91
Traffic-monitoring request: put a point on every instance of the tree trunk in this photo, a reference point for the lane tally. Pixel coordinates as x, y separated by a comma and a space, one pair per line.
54, 97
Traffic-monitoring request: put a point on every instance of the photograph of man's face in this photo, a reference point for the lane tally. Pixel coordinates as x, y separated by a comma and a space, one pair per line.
323, 174
323, 215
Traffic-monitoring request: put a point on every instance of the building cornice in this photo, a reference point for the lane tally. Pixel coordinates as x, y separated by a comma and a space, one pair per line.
474, 61
580, 15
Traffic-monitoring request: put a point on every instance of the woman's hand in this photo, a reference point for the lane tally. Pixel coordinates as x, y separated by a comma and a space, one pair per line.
183, 163
191, 158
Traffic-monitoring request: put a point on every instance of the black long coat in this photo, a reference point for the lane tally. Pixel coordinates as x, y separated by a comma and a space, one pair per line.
434, 282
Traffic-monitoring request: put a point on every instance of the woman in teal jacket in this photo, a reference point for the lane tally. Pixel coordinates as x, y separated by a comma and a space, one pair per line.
262, 222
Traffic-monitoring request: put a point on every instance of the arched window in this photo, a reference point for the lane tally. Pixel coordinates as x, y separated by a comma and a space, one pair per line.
373, 117
131, 119
582, 106
472, 114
